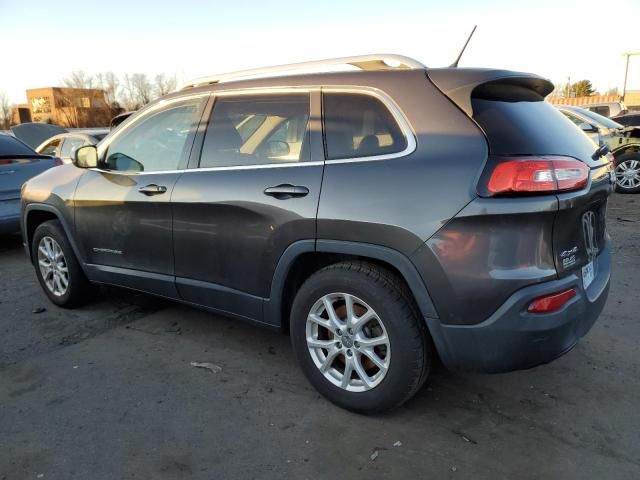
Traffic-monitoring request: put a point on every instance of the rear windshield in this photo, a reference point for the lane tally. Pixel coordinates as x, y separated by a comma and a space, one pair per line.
12, 146
517, 121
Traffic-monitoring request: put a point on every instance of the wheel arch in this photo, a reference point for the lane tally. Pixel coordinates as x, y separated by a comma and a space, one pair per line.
37, 213
629, 148
303, 258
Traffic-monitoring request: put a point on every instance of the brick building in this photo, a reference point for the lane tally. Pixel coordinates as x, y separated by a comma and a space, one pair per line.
67, 107
631, 100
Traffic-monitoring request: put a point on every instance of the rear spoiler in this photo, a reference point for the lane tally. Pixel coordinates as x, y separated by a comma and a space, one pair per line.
459, 83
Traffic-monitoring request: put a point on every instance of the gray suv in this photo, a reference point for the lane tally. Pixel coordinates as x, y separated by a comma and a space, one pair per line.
380, 216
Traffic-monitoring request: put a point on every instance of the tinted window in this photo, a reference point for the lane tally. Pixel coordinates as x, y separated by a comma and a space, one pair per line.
601, 110
50, 148
628, 120
577, 120
11, 146
70, 145
255, 130
155, 142
358, 125
517, 121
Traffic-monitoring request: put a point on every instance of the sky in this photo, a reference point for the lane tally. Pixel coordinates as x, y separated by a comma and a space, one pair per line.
42, 41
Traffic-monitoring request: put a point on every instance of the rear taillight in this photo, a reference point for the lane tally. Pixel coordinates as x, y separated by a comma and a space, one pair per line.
537, 175
551, 303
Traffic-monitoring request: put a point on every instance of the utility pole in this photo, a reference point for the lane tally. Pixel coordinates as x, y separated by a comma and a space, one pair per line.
626, 72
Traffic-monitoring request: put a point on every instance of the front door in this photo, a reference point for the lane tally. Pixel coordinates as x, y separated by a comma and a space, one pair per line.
123, 209
253, 192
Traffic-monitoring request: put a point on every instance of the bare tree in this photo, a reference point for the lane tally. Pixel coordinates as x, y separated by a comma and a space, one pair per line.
79, 79
164, 84
5, 111
127, 97
142, 88
68, 108
109, 83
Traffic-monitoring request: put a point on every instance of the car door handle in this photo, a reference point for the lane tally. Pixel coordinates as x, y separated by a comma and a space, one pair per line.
152, 189
282, 192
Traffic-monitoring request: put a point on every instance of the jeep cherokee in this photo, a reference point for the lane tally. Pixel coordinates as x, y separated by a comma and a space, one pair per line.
381, 216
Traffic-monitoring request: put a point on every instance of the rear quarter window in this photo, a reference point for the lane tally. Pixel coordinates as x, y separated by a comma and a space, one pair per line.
359, 125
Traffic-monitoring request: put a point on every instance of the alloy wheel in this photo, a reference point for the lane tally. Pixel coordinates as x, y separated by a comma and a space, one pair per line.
628, 174
53, 266
348, 342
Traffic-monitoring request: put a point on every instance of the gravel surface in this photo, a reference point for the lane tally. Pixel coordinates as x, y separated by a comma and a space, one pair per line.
109, 391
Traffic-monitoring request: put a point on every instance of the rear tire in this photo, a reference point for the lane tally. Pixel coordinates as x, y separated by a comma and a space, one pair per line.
385, 348
57, 267
627, 169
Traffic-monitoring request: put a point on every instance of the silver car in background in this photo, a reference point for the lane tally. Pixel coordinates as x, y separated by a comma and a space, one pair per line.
623, 143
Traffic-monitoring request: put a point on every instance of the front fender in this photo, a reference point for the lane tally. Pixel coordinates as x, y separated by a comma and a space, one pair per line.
44, 207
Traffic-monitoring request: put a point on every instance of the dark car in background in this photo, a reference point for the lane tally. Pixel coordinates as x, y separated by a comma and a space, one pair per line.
118, 119
628, 120
381, 217
18, 163
623, 143
64, 145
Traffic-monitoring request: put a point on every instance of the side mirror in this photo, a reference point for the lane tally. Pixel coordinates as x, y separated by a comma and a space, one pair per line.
588, 128
277, 148
86, 157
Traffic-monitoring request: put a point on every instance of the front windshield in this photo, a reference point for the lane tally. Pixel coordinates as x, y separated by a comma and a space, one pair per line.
607, 122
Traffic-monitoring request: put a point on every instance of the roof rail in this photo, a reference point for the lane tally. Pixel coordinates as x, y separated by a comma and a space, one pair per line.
363, 62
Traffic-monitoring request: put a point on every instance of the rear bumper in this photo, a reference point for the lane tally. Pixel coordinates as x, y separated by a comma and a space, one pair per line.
10, 216
513, 339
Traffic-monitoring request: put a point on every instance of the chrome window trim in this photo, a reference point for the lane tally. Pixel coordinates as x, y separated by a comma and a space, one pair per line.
395, 110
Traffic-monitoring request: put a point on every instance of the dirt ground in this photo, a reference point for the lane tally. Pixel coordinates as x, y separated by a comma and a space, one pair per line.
107, 392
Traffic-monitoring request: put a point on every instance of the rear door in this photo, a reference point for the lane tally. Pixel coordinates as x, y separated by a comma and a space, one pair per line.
123, 210
253, 191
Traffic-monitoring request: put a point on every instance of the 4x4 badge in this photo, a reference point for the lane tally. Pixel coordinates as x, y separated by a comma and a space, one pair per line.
589, 234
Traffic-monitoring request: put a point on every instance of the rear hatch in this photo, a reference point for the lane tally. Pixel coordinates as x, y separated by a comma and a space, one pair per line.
33, 134
521, 127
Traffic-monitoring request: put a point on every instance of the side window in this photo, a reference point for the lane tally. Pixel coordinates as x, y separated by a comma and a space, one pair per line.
359, 125
257, 130
50, 148
601, 110
573, 118
157, 141
70, 145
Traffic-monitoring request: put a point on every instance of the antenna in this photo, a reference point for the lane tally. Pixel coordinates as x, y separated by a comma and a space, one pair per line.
455, 64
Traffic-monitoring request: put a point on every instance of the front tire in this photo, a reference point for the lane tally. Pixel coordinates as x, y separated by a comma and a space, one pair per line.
358, 337
57, 268
627, 172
